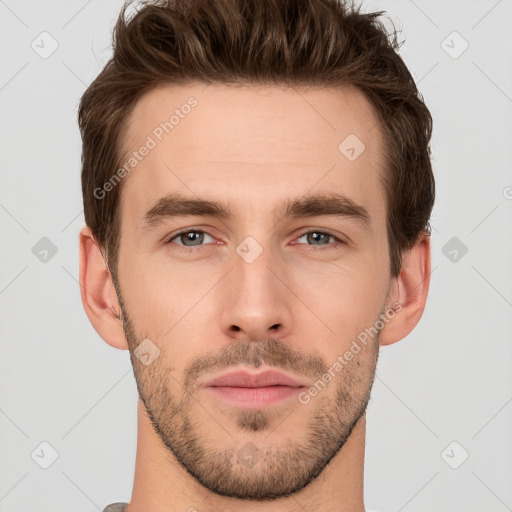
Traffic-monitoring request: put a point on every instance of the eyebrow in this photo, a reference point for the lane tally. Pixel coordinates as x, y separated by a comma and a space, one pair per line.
328, 204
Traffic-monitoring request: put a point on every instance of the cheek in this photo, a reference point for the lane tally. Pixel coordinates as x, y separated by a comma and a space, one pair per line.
346, 298
148, 307
165, 304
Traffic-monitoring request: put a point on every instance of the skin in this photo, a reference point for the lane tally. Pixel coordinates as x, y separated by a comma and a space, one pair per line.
295, 309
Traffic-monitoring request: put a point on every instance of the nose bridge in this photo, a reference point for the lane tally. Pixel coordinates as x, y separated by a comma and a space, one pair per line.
256, 307
252, 269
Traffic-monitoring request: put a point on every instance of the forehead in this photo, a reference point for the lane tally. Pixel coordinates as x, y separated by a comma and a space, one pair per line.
252, 146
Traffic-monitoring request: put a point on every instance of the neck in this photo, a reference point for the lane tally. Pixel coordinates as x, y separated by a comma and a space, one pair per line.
161, 484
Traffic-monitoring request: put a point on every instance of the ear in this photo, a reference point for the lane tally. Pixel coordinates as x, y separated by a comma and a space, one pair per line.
98, 292
409, 292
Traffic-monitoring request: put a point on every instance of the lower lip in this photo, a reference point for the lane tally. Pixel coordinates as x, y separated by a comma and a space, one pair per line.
255, 397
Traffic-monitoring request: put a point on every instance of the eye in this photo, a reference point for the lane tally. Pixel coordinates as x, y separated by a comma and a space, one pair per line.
319, 238
189, 238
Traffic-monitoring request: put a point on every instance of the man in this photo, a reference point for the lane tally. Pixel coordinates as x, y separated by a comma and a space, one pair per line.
257, 188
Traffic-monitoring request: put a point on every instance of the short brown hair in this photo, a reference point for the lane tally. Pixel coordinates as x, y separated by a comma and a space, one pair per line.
244, 42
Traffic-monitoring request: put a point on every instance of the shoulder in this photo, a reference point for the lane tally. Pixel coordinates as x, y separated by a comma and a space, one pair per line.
115, 507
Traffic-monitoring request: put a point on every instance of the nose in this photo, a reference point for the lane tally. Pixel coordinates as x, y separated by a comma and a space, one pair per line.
257, 301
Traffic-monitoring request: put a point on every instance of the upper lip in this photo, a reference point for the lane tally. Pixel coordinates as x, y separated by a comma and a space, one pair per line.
244, 379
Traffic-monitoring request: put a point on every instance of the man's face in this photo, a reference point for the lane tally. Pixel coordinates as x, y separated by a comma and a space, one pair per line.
257, 289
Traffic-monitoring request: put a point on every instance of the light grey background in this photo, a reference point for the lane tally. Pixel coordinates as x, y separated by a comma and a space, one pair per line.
449, 381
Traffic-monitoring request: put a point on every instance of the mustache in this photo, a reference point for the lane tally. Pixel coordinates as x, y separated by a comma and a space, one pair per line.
270, 352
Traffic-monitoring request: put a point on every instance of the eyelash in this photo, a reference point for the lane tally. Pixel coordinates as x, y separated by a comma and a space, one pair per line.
310, 247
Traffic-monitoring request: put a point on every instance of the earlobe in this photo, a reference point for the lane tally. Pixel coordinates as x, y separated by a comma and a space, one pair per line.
98, 293
410, 290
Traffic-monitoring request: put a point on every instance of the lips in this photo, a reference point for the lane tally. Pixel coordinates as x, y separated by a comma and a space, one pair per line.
244, 379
